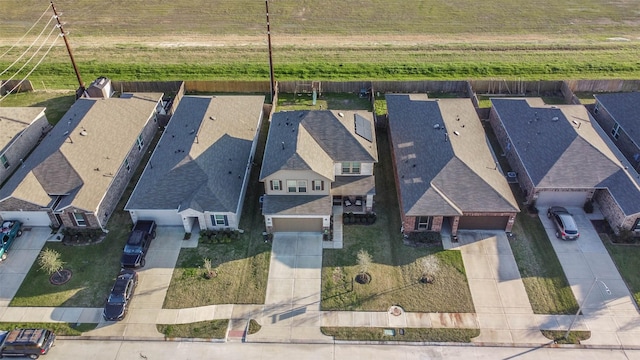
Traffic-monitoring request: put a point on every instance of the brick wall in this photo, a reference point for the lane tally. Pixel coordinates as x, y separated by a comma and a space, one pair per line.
524, 181
23, 144
609, 208
624, 142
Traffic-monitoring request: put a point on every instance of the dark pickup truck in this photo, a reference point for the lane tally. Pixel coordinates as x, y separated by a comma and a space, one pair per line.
138, 243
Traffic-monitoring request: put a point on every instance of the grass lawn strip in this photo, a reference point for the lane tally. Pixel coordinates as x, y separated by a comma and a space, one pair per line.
410, 334
56, 102
627, 260
212, 329
558, 336
65, 329
396, 269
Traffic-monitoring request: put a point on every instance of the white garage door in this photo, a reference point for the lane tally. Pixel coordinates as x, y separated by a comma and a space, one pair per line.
297, 225
161, 217
28, 218
562, 198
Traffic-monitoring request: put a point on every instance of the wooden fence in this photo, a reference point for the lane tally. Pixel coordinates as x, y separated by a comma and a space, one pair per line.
515, 87
169, 88
611, 85
193, 86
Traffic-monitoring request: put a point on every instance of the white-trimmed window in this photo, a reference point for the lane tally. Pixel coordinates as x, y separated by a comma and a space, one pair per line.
302, 186
317, 185
140, 142
351, 167
275, 185
220, 220
615, 132
292, 186
79, 219
4, 161
423, 222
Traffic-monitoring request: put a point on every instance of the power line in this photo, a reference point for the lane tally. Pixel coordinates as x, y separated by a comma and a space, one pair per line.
34, 54
27, 33
29, 48
32, 70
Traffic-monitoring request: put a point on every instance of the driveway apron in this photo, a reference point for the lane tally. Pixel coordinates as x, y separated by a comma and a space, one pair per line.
607, 306
292, 305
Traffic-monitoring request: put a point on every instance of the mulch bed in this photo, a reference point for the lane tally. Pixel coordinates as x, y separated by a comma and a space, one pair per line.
60, 277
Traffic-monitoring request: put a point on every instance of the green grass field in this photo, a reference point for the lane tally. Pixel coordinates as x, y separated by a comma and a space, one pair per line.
333, 39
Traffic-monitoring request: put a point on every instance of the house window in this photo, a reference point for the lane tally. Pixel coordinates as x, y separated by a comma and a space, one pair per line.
5, 162
302, 185
219, 220
291, 185
275, 185
317, 185
126, 165
79, 219
636, 225
616, 131
351, 168
423, 222
140, 142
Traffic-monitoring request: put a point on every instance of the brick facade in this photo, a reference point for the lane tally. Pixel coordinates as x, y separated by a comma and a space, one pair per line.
22, 144
624, 143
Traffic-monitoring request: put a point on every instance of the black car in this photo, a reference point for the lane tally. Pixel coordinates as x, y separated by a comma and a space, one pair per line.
138, 244
121, 293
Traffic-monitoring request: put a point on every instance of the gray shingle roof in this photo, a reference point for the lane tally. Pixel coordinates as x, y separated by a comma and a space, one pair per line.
444, 164
350, 185
297, 205
315, 140
109, 129
624, 108
560, 148
13, 120
201, 159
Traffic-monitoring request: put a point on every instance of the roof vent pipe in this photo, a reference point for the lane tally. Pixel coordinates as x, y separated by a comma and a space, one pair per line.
446, 137
283, 145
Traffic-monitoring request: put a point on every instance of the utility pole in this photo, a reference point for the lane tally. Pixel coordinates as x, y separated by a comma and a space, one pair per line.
81, 89
272, 83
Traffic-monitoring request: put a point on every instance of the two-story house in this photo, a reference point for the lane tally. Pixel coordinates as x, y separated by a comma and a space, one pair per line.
314, 160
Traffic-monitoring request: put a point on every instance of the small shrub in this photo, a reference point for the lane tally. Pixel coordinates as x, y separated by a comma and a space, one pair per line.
588, 207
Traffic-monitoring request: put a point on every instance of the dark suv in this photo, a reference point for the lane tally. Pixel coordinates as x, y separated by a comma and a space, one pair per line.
566, 228
26, 342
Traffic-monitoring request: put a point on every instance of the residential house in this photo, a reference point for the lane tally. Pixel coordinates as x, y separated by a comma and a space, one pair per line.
198, 174
21, 129
313, 160
562, 157
79, 171
619, 115
447, 177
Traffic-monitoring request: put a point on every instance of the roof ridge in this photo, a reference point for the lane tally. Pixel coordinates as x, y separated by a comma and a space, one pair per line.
444, 197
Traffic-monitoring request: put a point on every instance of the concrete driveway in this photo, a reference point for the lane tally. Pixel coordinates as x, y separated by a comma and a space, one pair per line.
292, 305
153, 282
609, 310
21, 256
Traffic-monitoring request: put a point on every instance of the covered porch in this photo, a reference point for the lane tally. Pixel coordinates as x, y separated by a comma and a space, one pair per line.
354, 193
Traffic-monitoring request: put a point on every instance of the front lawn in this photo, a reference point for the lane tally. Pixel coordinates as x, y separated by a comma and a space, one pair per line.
396, 269
544, 280
212, 329
627, 259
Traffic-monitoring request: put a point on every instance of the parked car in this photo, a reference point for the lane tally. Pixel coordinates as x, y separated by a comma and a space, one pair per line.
10, 231
135, 251
566, 228
118, 301
26, 342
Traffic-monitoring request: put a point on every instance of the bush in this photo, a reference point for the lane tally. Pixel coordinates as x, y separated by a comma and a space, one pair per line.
588, 207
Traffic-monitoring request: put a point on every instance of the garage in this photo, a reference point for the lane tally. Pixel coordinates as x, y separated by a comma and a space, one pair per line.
28, 218
562, 198
483, 222
161, 217
297, 224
